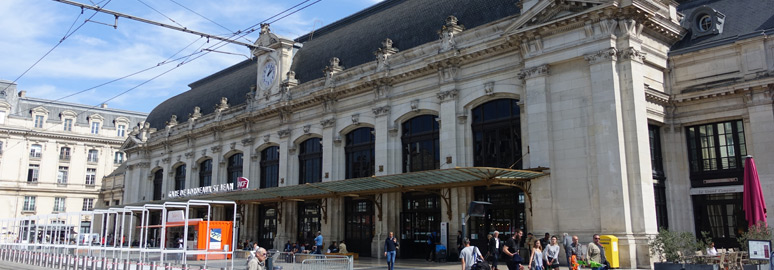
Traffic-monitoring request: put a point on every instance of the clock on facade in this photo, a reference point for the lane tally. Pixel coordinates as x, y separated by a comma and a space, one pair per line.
269, 72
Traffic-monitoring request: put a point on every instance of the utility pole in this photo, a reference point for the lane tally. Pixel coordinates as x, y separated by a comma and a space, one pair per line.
182, 29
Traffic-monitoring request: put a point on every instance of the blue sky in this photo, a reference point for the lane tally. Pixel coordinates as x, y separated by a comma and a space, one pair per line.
96, 53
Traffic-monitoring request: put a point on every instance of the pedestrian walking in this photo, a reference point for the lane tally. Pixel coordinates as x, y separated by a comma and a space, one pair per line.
390, 249
551, 254
469, 254
511, 249
536, 259
567, 245
494, 249
596, 253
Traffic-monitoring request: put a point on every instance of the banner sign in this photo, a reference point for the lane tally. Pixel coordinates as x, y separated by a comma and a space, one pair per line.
717, 190
242, 183
759, 249
176, 216
200, 191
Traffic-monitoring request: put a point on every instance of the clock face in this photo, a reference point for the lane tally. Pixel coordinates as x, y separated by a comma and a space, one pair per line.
269, 72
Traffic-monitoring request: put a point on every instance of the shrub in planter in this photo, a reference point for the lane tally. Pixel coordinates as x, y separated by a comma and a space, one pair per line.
673, 247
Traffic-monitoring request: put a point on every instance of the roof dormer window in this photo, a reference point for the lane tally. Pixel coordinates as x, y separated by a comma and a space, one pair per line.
706, 21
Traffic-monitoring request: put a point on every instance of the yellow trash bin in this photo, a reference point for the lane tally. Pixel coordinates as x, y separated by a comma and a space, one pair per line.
610, 242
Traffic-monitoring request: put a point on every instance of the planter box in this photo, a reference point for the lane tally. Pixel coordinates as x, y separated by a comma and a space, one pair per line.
686, 266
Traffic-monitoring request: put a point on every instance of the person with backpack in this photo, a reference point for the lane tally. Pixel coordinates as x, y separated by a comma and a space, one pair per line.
470, 256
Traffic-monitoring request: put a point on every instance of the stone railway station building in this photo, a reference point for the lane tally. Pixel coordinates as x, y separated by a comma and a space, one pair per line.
589, 116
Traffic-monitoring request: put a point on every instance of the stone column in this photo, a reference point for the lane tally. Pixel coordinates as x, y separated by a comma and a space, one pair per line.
761, 142
330, 141
382, 164
610, 152
284, 156
637, 146
448, 129
539, 141
218, 165
248, 164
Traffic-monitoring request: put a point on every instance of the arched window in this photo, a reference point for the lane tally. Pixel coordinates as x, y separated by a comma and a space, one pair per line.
497, 134
64, 153
270, 167
158, 176
420, 144
310, 161
234, 168
205, 173
180, 177
360, 153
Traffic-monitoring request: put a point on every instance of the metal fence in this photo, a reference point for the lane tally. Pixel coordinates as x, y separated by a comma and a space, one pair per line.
115, 239
303, 261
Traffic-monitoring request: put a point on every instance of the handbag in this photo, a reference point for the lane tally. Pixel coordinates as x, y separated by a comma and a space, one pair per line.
479, 263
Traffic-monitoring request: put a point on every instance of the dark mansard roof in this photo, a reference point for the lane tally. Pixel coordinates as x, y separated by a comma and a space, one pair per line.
409, 23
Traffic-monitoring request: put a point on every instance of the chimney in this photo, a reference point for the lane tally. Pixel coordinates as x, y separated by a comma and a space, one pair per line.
22, 94
103, 105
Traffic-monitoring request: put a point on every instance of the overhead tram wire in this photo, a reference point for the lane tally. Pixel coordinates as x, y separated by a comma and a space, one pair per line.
208, 19
67, 35
185, 58
162, 14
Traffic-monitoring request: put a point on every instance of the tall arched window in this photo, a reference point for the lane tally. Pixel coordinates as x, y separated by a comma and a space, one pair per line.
270, 167
497, 134
234, 169
158, 176
310, 161
420, 144
205, 173
180, 177
360, 153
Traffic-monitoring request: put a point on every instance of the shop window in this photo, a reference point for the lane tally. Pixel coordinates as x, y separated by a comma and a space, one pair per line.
310, 161
270, 167
359, 152
715, 153
205, 173
420, 144
497, 134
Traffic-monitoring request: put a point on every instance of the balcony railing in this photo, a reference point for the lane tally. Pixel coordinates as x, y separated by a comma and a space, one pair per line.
92, 159
35, 154
64, 157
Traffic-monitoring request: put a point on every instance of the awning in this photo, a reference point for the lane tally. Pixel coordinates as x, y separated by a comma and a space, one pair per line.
374, 186
424, 180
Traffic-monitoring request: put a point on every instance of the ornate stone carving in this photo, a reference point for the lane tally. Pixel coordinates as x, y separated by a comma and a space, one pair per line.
266, 138
286, 85
381, 111
383, 54
306, 129
415, 105
172, 121
447, 33
248, 141
165, 160
356, 119
462, 119
533, 72
223, 105
326, 123
489, 88
204, 152
283, 133
285, 114
189, 155
337, 139
330, 70
630, 27
178, 157
633, 54
609, 54
292, 149
329, 103
448, 95
216, 149
381, 91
